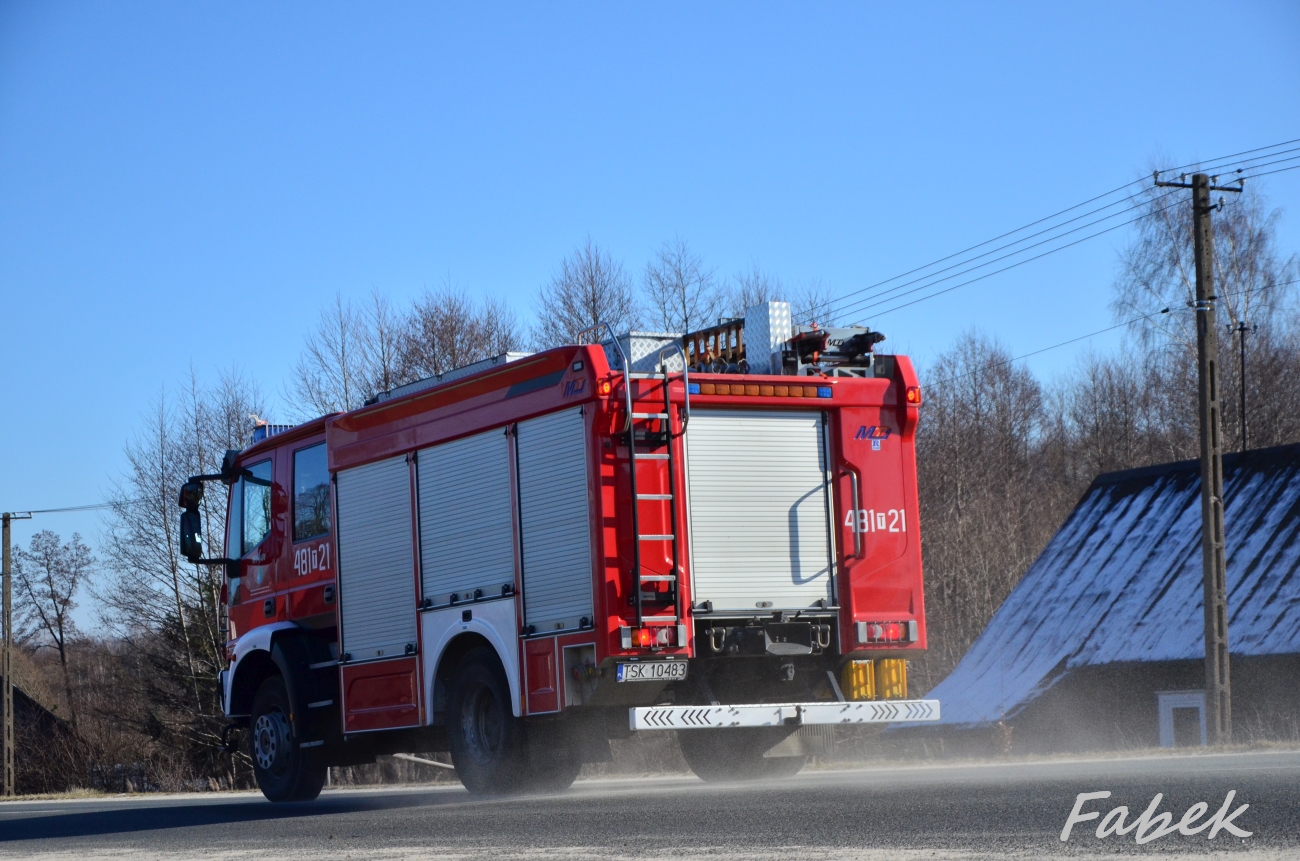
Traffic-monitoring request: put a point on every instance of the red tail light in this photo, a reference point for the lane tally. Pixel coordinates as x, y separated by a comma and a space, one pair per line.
914, 395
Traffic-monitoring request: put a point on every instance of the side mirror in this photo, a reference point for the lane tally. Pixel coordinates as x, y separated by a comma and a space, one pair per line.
192, 534
229, 472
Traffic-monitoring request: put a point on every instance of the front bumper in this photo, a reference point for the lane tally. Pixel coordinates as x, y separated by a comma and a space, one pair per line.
782, 714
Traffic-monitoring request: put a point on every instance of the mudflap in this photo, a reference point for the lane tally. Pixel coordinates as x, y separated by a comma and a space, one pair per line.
806, 741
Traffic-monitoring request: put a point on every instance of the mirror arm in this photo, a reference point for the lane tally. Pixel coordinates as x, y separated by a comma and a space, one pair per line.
245, 474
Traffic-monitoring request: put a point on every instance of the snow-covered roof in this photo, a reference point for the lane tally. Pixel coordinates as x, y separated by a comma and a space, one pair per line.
1121, 581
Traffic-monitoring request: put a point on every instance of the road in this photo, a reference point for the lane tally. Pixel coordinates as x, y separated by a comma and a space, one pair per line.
975, 811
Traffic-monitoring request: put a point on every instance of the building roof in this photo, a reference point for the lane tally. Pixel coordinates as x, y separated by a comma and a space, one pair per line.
1121, 581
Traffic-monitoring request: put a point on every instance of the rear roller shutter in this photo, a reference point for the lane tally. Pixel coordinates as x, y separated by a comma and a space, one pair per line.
376, 564
760, 524
554, 521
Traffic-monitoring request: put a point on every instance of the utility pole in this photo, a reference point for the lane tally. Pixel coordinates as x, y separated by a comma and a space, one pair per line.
6, 661
6, 654
1241, 330
1218, 688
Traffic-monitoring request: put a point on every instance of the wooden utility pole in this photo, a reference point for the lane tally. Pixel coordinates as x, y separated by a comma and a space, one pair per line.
6, 662
1218, 687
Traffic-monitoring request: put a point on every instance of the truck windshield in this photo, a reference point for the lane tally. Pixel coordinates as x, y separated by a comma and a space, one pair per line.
257, 506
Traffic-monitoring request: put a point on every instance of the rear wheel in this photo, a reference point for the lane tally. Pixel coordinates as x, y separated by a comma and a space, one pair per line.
554, 776
721, 755
487, 741
284, 771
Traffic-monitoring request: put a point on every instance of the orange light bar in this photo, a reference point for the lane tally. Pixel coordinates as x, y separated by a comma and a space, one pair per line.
762, 391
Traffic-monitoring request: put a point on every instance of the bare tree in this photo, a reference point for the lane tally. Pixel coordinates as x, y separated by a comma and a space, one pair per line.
163, 611
752, 287
450, 329
590, 288
1157, 268
684, 295
978, 467
385, 335
48, 576
813, 302
332, 373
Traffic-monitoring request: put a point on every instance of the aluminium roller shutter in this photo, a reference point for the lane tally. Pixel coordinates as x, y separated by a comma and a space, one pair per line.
759, 510
376, 564
466, 522
554, 521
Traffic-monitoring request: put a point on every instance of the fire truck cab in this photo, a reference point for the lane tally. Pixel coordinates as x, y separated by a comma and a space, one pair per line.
520, 560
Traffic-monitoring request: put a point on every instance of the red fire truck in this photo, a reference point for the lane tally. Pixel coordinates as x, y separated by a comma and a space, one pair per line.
516, 562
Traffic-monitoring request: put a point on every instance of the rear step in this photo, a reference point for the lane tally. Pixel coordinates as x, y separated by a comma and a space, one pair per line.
782, 714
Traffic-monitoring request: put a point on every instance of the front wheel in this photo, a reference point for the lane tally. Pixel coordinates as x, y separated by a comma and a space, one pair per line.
721, 755
284, 771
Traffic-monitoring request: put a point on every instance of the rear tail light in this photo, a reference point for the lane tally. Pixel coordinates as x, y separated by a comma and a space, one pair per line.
657, 637
914, 395
887, 632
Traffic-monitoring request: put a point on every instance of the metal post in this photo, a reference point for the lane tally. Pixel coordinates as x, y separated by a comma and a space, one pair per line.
1218, 689
6, 663
1242, 329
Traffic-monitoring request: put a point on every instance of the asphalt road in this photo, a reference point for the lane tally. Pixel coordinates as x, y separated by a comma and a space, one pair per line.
978, 811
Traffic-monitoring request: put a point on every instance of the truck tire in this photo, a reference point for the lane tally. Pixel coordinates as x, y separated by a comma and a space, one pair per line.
723, 755
555, 776
488, 744
284, 771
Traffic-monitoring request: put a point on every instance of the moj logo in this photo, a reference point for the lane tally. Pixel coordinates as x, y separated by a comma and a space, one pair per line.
875, 433
575, 387
1151, 825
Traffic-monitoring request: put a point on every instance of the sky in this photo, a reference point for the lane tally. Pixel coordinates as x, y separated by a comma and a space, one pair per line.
187, 185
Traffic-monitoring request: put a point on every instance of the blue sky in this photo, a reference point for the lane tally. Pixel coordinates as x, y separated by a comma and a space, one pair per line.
190, 183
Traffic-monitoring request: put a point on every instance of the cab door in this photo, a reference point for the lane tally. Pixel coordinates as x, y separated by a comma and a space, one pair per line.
254, 536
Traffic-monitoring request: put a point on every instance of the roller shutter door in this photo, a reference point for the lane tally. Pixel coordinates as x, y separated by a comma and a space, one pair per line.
376, 563
760, 522
554, 521
466, 522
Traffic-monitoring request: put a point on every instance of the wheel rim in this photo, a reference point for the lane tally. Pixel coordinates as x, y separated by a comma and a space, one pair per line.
271, 741
483, 724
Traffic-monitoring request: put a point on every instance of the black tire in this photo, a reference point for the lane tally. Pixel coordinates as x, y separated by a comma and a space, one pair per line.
284, 771
488, 744
555, 776
727, 755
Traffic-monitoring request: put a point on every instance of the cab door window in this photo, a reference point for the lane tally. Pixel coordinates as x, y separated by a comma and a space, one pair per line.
256, 503
311, 493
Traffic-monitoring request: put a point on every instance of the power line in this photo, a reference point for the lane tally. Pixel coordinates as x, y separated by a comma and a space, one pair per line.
1092, 334
877, 299
999, 271
845, 307
1268, 172
854, 305
825, 306
94, 507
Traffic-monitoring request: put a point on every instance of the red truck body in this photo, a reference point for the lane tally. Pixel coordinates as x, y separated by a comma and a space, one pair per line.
494, 517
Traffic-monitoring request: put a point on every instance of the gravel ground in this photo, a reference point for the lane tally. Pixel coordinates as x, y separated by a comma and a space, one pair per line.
974, 811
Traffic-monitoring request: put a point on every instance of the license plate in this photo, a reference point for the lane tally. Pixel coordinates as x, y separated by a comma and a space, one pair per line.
652, 671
